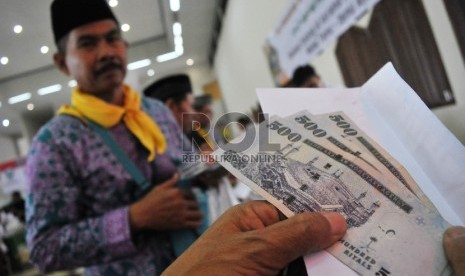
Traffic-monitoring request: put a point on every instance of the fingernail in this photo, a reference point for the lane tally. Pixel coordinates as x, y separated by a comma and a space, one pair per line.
337, 223
455, 232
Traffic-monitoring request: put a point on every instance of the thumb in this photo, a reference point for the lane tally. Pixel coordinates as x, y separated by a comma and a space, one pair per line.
170, 183
302, 234
454, 246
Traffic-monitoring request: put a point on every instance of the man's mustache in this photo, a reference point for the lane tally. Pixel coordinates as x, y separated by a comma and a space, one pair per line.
107, 67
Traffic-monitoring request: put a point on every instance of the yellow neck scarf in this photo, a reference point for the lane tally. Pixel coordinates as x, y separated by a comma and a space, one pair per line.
202, 132
86, 106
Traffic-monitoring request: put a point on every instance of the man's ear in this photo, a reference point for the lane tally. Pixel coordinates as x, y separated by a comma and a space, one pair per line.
60, 62
171, 105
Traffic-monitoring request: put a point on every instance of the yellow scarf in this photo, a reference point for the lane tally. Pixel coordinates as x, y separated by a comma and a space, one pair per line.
86, 106
203, 133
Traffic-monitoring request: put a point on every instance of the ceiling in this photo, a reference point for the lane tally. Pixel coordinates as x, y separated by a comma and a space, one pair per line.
150, 24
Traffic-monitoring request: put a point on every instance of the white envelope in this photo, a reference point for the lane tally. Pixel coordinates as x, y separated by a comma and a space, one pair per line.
389, 111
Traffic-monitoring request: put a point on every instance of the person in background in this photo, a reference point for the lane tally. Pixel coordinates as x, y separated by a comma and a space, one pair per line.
257, 114
10, 230
252, 239
5, 267
202, 135
203, 104
5, 262
175, 92
305, 76
11, 237
17, 206
208, 185
102, 184
203, 107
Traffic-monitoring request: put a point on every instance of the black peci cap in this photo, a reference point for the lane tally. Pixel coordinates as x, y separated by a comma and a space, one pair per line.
201, 101
302, 73
70, 14
174, 87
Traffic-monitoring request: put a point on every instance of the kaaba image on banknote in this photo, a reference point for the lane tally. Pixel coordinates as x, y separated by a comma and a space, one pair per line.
322, 191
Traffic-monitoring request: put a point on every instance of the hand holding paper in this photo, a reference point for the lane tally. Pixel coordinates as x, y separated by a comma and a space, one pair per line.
382, 180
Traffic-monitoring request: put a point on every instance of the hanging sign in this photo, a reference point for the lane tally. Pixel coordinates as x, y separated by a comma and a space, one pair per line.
306, 28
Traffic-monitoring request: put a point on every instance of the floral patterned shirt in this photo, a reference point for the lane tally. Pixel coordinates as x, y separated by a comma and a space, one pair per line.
79, 193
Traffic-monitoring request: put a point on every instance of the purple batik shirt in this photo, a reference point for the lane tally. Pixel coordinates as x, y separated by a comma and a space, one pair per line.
79, 194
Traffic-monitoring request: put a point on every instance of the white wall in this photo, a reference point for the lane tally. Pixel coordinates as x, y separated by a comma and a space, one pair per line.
451, 116
8, 149
240, 62
241, 65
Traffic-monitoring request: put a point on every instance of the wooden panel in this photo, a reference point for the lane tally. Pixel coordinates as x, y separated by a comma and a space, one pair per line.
399, 32
456, 10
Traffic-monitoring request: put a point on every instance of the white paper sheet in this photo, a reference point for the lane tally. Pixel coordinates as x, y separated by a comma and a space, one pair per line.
410, 132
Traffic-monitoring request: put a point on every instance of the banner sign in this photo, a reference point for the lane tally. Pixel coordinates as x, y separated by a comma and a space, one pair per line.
306, 28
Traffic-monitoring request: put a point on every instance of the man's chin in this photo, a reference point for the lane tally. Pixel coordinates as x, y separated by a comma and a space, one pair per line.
109, 85
112, 78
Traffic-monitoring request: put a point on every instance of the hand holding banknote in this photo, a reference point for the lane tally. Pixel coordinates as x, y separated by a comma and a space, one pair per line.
250, 239
392, 230
232, 245
454, 246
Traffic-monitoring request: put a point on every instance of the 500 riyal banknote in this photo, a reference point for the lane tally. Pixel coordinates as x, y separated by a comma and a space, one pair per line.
389, 229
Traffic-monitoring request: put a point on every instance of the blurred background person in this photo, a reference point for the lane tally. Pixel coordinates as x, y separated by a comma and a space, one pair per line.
11, 241
175, 92
306, 76
211, 187
17, 206
202, 133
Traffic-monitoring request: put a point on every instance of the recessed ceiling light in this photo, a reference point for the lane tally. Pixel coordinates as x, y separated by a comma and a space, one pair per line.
178, 40
6, 123
190, 62
72, 83
44, 49
177, 29
125, 27
139, 64
49, 89
18, 29
4, 60
167, 56
20, 98
175, 5
179, 49
150, 72
113, 3
30, 106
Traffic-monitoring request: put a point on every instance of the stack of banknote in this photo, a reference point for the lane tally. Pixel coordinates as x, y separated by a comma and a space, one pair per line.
325, 162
